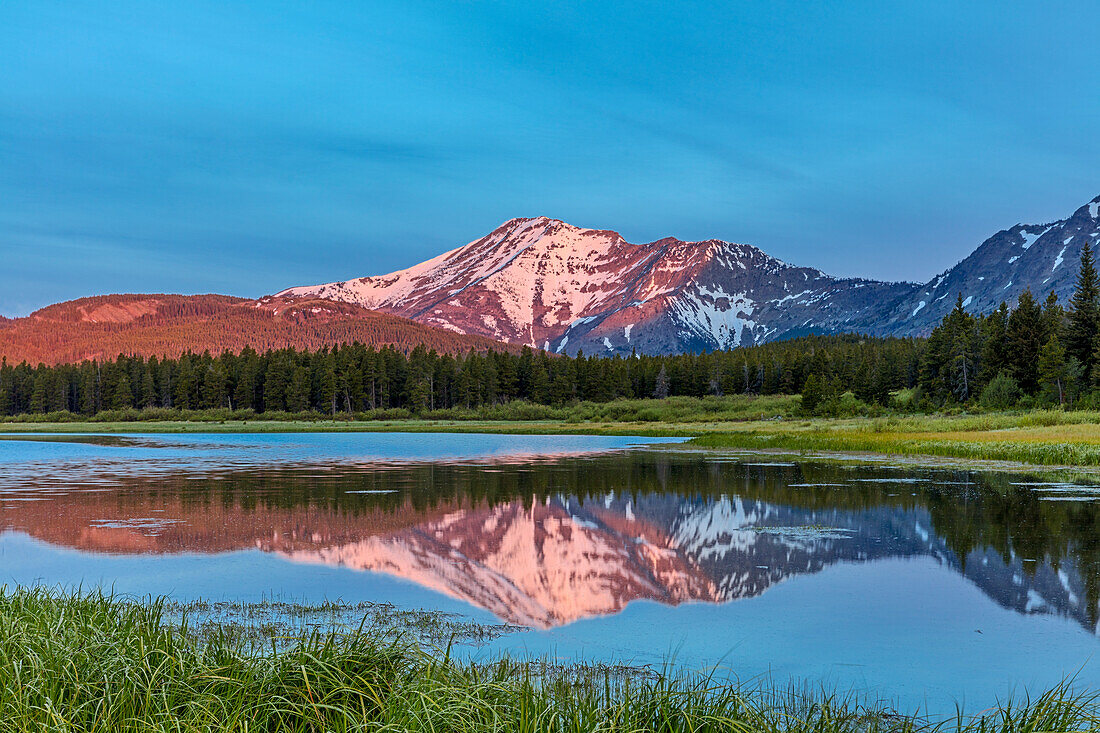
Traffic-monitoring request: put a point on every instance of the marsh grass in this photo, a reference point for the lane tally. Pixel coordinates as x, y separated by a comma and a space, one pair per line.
672, 409
93, 663
1041, 448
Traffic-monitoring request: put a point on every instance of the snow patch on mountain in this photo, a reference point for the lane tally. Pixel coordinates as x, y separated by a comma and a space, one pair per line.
1058, 259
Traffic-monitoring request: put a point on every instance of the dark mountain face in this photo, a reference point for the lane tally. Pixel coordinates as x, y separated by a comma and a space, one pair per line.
1042, 257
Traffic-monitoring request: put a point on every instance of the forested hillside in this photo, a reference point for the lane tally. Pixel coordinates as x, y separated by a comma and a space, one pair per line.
169, 325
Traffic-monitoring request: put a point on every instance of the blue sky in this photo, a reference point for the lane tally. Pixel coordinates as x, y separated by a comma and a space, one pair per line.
245, 147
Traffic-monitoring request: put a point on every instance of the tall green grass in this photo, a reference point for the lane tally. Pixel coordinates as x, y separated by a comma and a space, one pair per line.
672, 409
1046, 453
97, 664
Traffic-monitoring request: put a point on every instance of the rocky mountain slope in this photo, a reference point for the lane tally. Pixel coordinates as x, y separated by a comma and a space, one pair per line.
168, 325
548, 284
1042, 257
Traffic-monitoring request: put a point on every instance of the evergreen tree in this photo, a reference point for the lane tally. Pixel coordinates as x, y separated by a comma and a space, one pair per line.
993, 358
1024, 340
40, 394
811, 394
1053, 371
418, 389
661, 390
297, 390
181, 392
120, 396
1053, 318
148, 389
89, 388
215, 386
951, 358
1084, 311
539, 389
244, 391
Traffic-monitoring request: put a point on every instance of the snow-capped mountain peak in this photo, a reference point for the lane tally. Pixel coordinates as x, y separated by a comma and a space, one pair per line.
552, 285
549, 284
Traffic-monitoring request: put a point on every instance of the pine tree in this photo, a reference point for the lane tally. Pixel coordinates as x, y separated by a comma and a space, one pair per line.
993, 356
1025, 339
148, 389
121, 396
297, 391
963, 367
811, 394
539, 390
1084, 312
662, 388
89, 388
214, 390
1053, 371
40, 394
1054, 317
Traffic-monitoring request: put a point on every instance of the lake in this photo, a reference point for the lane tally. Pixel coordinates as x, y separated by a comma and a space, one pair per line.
924, 587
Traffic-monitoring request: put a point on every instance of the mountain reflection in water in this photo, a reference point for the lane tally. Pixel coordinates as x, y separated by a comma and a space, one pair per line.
548, 542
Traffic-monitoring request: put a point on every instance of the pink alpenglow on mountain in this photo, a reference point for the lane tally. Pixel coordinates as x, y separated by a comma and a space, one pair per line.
558, 287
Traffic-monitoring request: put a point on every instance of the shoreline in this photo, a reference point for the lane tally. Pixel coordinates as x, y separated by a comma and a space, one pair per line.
1048, 442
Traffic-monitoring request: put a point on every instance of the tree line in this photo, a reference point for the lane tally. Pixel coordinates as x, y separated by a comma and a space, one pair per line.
354, 378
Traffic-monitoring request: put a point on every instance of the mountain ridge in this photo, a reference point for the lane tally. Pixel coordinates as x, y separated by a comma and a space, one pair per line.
160, 325
548, 284
544, 283
1039, 257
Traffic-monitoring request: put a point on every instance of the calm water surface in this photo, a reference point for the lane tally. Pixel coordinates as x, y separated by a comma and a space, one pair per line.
925, 587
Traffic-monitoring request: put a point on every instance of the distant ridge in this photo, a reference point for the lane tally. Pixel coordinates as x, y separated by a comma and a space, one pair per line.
1039, 257
168, 325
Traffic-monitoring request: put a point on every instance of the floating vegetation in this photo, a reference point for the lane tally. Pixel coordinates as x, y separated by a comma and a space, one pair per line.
807, 531
285, 623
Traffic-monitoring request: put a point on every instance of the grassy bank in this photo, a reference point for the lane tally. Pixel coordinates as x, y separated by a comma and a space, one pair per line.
1036, 437
1042, 438
91, 663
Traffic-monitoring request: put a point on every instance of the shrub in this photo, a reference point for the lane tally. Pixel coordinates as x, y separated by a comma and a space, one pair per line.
1001, 393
